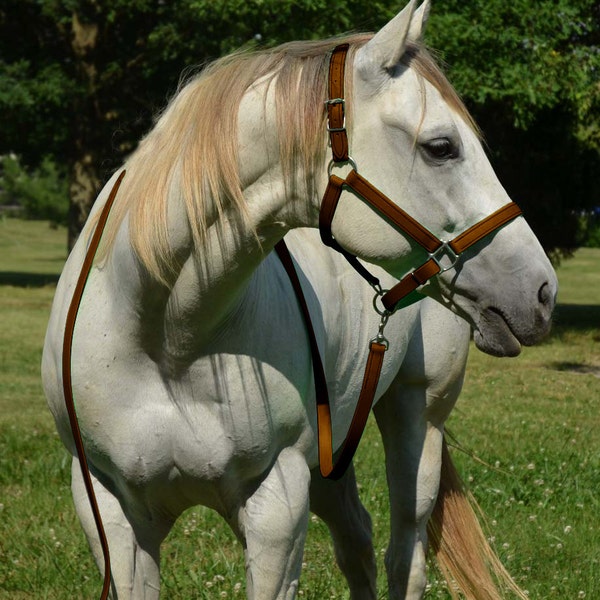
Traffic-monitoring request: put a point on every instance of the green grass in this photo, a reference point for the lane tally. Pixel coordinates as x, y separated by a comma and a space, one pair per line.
532, 423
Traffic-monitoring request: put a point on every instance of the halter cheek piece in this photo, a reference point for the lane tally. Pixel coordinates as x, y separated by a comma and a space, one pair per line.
442, 256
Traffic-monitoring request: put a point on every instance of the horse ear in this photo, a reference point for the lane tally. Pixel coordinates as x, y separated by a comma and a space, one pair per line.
419, 21
387, 46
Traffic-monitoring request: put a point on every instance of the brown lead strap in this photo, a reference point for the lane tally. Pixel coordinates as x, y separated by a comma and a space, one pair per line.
67, 383
334, 468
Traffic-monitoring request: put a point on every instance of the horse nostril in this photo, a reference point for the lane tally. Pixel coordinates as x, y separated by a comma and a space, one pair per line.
545, 295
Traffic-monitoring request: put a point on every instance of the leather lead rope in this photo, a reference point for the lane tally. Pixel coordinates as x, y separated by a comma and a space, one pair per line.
334, 468
67, 383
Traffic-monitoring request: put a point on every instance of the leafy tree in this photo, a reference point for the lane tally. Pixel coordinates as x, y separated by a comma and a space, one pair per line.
42, 193
530, 72
81, 79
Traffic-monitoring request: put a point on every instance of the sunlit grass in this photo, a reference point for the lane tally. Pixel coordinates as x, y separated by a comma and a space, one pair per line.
532, 422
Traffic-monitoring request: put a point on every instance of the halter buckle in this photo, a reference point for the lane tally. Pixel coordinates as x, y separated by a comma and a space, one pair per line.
332, 102
444, 253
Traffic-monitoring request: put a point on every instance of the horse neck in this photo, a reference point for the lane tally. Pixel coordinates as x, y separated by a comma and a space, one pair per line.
213, 282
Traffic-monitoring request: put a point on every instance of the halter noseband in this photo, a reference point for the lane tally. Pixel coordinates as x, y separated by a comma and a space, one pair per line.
438, 250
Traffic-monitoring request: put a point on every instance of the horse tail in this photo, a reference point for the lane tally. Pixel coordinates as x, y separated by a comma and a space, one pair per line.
463, 553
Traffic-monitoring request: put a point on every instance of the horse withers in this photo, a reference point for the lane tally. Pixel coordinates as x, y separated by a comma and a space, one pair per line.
190, 366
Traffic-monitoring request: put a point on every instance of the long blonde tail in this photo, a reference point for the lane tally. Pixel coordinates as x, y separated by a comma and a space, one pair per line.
464, 556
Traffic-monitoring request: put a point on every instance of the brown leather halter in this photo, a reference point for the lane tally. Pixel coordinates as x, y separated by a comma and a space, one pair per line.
442, 257
436, 248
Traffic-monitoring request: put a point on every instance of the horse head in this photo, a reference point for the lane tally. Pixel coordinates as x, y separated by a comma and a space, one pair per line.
411, 136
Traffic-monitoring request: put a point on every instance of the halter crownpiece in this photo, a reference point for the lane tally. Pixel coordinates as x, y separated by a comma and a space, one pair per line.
336, 105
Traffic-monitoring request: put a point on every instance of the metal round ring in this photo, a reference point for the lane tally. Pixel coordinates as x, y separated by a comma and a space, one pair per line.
332, 164
383, 313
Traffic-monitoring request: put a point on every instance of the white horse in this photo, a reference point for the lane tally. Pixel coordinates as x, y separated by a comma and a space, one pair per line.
191, 369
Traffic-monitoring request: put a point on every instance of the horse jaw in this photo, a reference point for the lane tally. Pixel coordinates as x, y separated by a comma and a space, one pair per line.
493, 335
499, 331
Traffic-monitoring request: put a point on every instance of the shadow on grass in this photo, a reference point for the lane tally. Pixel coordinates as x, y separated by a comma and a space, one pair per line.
19, 279
577, 316
572, 367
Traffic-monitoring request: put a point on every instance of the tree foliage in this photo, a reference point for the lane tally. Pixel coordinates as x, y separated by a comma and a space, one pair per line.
535, 55
42, 194
80, 80
530, 72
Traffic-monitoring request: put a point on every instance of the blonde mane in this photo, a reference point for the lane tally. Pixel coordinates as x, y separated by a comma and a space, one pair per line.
193, 144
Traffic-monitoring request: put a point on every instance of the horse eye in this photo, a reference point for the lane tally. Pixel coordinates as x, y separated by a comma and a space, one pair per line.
441, 149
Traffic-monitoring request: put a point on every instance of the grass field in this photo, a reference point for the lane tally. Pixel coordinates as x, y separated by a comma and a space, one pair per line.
530, 427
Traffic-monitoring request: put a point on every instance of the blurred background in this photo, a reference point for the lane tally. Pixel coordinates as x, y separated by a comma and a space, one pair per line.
81, 80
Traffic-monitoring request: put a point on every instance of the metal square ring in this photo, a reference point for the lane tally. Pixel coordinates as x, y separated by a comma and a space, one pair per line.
444, 251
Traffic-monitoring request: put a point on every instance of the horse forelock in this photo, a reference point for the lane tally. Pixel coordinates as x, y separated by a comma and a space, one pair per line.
192, 149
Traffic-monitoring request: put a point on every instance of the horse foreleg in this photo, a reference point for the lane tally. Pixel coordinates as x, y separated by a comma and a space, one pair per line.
338, 504
411, 419
134, 552
272, 526
413, 452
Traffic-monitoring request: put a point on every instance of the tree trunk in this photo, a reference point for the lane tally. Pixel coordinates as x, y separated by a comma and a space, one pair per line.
83, 189
84, 182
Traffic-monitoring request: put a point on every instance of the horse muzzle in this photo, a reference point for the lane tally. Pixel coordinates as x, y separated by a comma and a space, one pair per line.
503, 330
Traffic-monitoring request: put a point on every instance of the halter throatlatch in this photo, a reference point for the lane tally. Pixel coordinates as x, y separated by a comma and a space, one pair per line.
442, 256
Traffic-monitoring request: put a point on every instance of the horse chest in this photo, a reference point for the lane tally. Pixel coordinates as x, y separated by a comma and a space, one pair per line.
233, 404
227, 413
